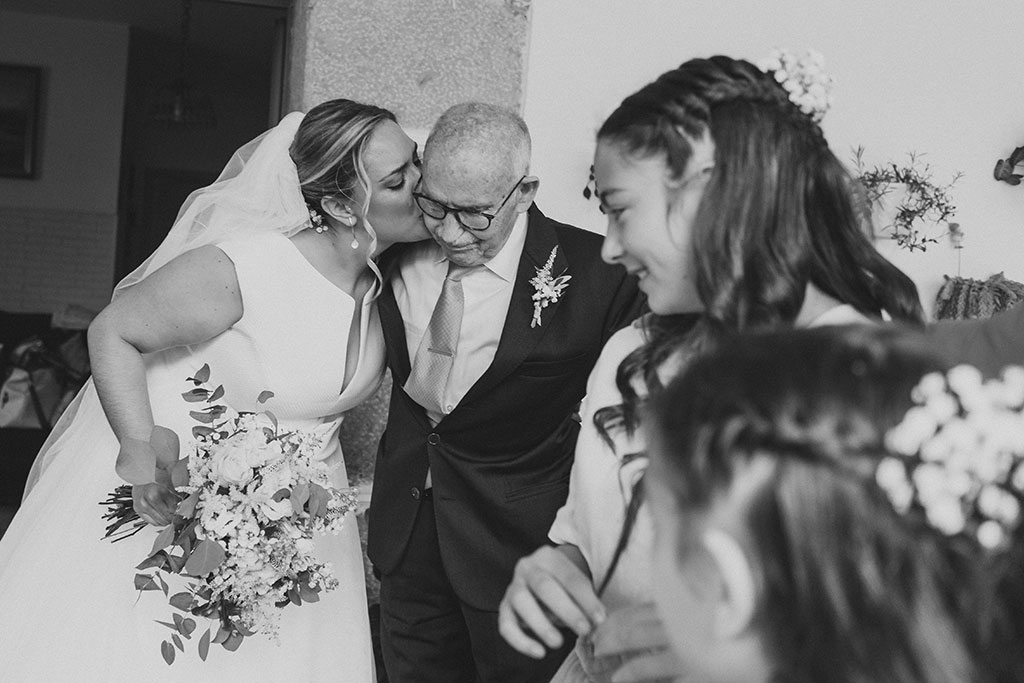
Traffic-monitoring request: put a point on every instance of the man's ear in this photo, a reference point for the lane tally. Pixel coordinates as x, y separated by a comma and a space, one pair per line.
339, 209
526, 192
735, 605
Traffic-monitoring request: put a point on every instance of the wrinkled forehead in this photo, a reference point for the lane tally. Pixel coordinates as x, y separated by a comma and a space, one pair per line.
451, 171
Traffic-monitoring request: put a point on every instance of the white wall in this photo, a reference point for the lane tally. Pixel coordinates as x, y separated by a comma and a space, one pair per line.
942, 77
58, 230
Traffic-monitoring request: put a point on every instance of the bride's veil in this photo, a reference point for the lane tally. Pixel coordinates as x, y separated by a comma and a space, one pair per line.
258, 191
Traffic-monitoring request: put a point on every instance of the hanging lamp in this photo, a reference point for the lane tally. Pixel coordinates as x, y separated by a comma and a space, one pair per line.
178, 103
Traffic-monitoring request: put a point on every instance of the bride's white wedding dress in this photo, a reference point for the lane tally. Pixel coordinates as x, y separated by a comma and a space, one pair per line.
68, 607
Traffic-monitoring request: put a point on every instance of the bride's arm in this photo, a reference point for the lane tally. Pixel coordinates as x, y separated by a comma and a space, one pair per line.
192, 299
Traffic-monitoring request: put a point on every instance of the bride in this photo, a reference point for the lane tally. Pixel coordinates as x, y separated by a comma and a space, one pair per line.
266, 276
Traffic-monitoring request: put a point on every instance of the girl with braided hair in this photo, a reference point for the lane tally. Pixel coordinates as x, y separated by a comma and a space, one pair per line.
723, 198
797, 538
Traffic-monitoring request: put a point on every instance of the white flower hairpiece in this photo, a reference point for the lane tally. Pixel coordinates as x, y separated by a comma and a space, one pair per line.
804, 78
959, 454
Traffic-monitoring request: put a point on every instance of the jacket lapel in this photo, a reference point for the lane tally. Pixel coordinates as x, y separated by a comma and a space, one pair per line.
518, 339
394, 333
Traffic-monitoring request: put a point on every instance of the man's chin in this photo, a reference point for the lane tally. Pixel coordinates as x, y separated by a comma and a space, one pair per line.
465, 256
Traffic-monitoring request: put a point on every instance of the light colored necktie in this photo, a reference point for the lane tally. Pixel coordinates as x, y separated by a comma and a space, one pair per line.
436, 353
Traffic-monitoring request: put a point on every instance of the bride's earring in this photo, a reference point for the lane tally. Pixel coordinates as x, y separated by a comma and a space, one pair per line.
350, 221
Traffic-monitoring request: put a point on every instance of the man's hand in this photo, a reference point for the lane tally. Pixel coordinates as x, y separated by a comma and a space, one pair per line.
549, 589
632, 641
155, 503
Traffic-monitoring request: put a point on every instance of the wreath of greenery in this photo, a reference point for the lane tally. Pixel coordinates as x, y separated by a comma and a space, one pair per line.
923, 203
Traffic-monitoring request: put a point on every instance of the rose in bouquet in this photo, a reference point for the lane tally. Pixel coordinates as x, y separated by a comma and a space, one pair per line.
252, 497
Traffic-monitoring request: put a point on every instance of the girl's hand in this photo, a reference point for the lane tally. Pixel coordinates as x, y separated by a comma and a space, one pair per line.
549, 589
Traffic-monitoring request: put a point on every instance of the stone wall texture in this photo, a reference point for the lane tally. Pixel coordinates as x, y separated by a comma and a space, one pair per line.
415, 57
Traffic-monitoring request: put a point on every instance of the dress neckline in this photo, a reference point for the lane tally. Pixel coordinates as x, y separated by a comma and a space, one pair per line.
367, 298
364, 319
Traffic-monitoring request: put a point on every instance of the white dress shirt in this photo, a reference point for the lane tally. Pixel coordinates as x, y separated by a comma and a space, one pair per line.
487, 292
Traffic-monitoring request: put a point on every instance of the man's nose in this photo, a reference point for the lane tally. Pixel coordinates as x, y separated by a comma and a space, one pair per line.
448, 229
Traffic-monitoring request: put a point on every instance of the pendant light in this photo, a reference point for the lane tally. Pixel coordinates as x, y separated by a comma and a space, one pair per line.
178, 103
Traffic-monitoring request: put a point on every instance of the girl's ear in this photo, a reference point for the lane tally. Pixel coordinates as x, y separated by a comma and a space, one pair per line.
339, 210
734, 608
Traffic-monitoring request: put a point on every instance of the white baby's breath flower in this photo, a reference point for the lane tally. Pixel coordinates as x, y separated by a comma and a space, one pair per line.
930, 482
942, 406
990, 534
1013, 381
961, 471
932, 384
907, 437
946, 515
804, 78
966, 381
891, 476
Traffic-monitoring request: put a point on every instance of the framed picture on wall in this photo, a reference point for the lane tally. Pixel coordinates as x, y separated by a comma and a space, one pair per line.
19, 119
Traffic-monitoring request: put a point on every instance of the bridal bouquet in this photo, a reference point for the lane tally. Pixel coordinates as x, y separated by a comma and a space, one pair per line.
252, 496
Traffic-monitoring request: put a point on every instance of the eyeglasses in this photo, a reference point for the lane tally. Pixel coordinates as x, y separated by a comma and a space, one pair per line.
477, 221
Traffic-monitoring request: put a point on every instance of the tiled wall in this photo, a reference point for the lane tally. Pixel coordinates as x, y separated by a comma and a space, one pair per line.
49, 258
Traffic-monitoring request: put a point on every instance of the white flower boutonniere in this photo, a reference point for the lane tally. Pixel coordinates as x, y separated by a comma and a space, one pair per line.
547, 289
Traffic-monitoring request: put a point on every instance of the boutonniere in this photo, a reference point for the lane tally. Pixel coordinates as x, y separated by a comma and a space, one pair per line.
547, 289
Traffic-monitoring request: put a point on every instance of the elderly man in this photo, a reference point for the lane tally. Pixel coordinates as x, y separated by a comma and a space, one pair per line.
492, 329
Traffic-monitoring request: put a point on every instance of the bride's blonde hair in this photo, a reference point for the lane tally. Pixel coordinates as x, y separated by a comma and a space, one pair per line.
328, 150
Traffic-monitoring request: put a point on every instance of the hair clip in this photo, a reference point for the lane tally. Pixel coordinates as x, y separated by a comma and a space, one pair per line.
804, 78
316, 221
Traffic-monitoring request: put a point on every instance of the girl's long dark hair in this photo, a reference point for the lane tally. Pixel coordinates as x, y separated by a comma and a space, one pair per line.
850, 589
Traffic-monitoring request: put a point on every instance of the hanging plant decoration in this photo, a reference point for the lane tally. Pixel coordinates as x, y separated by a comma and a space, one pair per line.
1005, 167
922, 202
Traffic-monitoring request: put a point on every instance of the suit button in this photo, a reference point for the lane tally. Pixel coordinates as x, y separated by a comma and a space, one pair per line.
415, 493
434, 439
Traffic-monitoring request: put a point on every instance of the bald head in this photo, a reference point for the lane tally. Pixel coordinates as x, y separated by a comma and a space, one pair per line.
487, 142
477, 161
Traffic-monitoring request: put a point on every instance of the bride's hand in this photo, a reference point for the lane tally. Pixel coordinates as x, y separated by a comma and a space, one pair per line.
155, 503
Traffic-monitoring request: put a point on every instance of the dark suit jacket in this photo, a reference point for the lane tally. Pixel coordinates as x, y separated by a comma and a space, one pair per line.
989, 344
500, 461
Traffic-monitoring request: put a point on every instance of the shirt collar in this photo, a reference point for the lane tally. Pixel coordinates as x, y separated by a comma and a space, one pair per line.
505, 263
